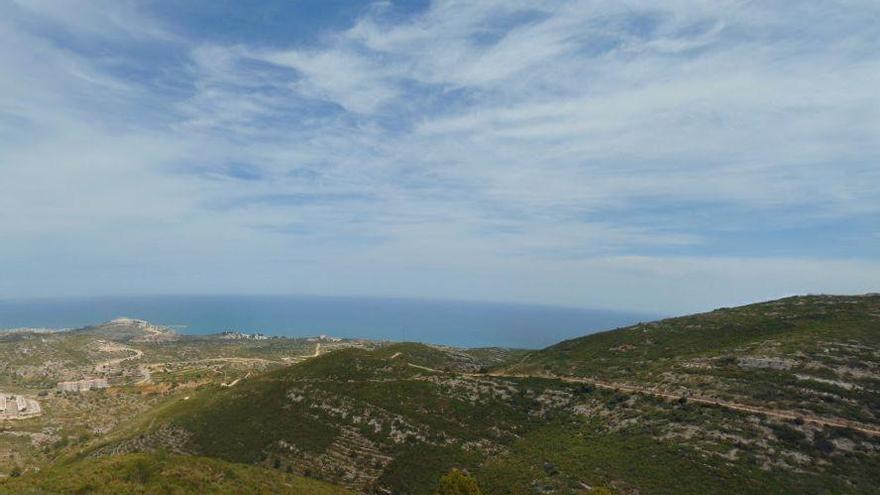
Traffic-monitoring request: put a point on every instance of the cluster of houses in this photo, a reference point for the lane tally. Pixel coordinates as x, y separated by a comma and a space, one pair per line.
233, 335
15, 403
17, 406
83, 385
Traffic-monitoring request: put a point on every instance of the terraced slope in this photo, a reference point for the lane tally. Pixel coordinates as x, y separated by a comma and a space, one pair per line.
394, 419
813, 356
149, 474
362, 418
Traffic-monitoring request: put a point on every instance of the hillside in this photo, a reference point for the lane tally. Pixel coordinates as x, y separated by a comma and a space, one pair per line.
776, 397
87, 383
129, 330
367, 419
394, 419
148, 474
812, 355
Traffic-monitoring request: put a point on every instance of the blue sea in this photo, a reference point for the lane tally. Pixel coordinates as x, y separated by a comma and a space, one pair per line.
457, 323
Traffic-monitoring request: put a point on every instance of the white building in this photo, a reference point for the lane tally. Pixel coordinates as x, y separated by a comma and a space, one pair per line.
83, 385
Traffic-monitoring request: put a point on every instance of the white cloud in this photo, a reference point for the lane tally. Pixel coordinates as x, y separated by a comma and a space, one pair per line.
499, 149
106, 19
542, 100
353, 81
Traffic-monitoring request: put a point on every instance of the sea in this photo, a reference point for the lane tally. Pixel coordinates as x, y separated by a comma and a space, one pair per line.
454, 323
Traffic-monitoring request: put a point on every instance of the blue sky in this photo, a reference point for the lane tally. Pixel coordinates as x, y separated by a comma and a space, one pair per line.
665, 157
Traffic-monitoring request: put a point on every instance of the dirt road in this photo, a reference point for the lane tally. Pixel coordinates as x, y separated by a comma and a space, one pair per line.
708, 401
106, 366
689, 397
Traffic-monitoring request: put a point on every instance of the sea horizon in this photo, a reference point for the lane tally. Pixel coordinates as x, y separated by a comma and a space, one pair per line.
444, 322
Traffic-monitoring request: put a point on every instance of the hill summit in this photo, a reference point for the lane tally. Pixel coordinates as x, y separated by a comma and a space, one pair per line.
126, 329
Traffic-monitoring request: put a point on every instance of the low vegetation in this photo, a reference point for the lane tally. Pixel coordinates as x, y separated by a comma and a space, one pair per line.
685, 405
158, 473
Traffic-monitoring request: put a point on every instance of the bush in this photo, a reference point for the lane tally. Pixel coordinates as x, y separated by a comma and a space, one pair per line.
787, 434
822, 443
141, 471
458, 483
584, 390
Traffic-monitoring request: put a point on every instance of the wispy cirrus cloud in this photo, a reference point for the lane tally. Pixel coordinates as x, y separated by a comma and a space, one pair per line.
546, 151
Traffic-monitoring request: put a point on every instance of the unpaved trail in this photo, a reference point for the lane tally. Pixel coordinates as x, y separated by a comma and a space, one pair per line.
689, 397
146, 376
145, 371
235, 382
708, 401
240, 360
115, 347
425, 368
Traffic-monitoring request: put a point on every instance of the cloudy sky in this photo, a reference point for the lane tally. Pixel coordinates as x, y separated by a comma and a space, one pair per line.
659, 156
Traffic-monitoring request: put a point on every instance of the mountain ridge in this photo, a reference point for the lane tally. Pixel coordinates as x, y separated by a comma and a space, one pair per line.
772, 397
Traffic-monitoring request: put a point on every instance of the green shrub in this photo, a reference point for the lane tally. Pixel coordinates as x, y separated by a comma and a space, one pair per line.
458, 482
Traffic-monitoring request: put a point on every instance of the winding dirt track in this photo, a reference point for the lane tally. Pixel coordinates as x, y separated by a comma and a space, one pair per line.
695, 399
115, 347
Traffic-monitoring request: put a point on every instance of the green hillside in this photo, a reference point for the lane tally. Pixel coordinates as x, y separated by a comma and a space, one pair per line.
816, 355
793, 325
396, 418
155, 474
358, 417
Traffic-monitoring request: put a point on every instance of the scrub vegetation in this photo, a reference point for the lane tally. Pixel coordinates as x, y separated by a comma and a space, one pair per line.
777, 397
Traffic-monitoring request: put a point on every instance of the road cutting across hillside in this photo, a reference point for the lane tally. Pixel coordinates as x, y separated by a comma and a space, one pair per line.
688, 397
708, 401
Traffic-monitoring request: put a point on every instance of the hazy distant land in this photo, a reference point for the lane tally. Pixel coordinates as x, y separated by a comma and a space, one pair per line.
465, 324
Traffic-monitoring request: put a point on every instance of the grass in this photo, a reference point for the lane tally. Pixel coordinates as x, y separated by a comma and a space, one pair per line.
157, 473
